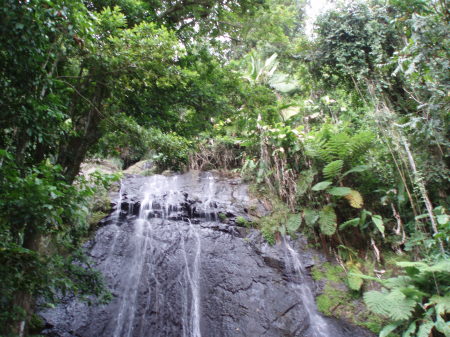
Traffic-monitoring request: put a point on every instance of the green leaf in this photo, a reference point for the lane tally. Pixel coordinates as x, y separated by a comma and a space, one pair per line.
389, 328
352, 222
410, 331
321, 186
378, 221
442, 326
293, 223
360, 168
333, 169
327, 220
425, 329
442, 219
305, 180
442, 303
311, 216
397, 282
412, 292
355, 199
417, 265
354, 281
393, 304
339, 191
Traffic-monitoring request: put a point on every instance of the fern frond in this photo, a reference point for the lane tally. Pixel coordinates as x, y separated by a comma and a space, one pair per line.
327, 220
388, 329
311, 216
419, 265
360, 143
441, 266
333, 169
293, 223
354, 281
397, 282
305, 180
314, 146
355, 199
425, 329
442, 304
411, 330
337, 147
393, 304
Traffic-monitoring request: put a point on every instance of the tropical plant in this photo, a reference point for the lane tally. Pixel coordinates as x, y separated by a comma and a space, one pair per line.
417, 302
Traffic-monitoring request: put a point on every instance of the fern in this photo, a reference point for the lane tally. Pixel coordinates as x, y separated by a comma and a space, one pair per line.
327, 220
388, 329
442, 266
329, 146
293, 223
311, 216
397, 282
354, 280
411, 330
408, 292
393, 304
333, 169
360, 143
337, 147
355, 199
442, 303
305, 180
425, 329
314, 146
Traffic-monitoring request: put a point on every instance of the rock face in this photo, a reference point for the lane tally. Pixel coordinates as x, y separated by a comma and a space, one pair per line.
175, 270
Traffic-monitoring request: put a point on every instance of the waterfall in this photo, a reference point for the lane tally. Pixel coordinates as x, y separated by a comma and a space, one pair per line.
176, 271
318, 324
140, 241
193, 279
160, 202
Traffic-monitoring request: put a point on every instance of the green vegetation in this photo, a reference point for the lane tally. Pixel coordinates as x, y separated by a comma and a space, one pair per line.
417, 302
344, 134
338, 300
241, 221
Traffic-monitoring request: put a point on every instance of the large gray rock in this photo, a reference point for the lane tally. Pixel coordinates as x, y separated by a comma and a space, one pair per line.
174, 270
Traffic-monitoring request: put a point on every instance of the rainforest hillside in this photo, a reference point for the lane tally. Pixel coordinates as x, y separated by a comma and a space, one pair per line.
342, 129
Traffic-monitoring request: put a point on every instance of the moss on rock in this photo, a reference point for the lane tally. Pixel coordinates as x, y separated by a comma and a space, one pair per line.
338, 300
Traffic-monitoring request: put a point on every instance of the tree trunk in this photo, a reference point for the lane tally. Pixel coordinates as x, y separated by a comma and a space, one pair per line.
74, 151
423, 191
25, 299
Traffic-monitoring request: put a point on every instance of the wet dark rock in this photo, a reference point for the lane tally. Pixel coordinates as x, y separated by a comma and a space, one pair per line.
172, 268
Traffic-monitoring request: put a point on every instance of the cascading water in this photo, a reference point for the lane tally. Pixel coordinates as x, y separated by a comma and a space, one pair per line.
318, 324
193, 279
176, 271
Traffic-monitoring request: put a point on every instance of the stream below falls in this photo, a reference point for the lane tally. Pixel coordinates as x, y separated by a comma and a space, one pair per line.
175, 270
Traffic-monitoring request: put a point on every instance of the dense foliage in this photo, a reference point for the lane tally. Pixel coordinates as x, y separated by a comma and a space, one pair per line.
348, 129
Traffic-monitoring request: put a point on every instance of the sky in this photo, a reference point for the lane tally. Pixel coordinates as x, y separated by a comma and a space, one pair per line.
314, 8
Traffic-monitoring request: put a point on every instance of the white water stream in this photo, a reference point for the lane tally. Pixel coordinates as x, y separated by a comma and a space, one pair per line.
319, 326
158, 204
